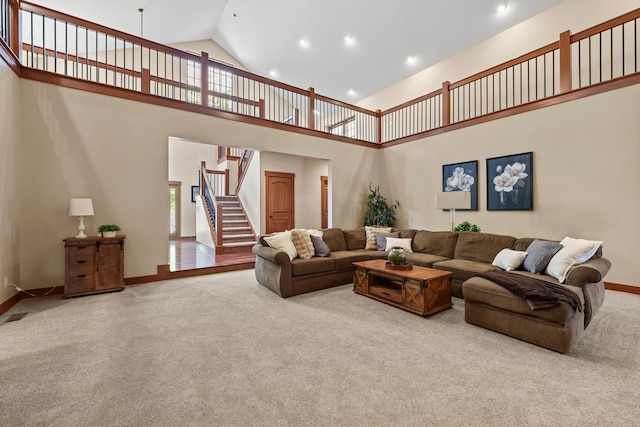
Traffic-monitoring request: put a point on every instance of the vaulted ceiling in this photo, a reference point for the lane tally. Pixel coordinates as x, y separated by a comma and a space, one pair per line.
351, 49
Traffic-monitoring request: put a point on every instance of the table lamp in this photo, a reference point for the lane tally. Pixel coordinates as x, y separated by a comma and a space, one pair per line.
453, 200
80, 208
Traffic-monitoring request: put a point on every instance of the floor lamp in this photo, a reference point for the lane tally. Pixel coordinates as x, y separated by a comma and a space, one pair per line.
453, 200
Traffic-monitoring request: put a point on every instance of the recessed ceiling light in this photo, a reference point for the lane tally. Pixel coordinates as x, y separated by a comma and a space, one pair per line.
348, 39
502, 8
273, 73
411, 60
352, 92
304, 43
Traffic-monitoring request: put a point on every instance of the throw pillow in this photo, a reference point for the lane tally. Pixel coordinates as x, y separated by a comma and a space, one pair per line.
381, 239
302, 241
371, 236
320, 247
393, 242
508, 259
314, 232
540, 253
282, 242
574, 251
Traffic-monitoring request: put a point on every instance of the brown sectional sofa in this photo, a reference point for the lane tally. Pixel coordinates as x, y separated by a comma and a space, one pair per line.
463, 254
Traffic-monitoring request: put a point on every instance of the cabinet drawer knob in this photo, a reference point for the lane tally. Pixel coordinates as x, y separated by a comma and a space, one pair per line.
82, 261
82, 247
82, 275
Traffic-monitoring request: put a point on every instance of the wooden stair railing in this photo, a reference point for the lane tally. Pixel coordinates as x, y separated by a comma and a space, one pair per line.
230, 227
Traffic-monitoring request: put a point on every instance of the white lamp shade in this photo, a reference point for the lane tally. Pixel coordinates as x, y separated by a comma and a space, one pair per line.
80, 207
453, 200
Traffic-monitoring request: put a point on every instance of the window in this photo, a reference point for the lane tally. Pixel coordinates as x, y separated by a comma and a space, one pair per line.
220, 82
345, 128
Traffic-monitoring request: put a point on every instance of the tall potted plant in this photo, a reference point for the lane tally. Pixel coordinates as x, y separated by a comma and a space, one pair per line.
379, 212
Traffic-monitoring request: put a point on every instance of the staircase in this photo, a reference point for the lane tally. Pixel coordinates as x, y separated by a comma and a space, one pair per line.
237, 234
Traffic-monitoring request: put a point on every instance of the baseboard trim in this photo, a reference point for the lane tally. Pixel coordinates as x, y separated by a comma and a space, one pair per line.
13, 300
163, 273
40, 292
622, 288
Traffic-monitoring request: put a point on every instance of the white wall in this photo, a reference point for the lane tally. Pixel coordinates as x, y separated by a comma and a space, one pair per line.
250, 190
307, 172
536, 32
585, 180
184, 166
115, 151
9, 194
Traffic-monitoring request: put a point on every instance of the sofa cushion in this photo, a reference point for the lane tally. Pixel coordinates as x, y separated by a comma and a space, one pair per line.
345, 259
463, 269
370, 232
483, 291
482, 247
302, 241
424, 260
539, 253
334, 238
320, 248
356, 239
405, 233
441, 243
300, 267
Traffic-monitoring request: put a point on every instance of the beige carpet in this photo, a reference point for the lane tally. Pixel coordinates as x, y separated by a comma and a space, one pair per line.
223, 350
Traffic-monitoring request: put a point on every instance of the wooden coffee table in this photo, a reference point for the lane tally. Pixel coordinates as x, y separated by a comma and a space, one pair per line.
421, 290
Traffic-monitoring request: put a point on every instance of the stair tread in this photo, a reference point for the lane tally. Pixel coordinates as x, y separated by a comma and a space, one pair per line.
232, 244
238, 236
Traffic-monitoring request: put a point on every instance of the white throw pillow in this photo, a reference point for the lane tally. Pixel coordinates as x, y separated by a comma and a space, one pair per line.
393, 242
314, 232
574, 251
282, 242
371, 236
508, 259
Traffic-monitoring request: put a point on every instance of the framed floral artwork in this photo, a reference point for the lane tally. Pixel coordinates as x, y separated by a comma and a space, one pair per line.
462, 177
510, 183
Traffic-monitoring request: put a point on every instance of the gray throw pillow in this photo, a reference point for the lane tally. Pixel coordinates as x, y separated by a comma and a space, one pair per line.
539, 253
320, 246
381, 239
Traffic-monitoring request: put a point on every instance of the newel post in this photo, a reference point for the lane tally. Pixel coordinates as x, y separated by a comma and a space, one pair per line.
311, 119
203, 168
16, 33
446, 103
204, 78
565, 62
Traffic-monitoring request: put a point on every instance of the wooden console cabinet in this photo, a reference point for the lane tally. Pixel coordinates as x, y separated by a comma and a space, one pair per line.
93, 265
421, 290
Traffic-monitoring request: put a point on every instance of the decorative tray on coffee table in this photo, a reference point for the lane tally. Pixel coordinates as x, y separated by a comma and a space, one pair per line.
405, 266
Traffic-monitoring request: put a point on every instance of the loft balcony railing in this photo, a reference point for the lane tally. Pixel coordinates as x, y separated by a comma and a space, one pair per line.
54, 42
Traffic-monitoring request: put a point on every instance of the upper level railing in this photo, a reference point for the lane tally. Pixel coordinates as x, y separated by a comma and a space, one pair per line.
51, 41
5, 22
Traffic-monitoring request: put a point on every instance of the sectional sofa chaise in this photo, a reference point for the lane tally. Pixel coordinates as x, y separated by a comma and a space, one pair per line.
463, 254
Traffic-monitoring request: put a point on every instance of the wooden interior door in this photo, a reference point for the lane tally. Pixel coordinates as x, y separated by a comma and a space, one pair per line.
324, 201
280, 203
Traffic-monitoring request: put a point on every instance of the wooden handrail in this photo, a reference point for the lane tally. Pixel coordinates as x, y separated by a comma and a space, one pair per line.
376, 128
50, 13
607, 25
523, 58
412, 102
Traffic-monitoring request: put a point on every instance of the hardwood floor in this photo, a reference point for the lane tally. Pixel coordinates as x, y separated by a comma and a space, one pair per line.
187, 254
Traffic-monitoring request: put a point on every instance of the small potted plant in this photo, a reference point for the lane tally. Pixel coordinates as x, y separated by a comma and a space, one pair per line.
108, 230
